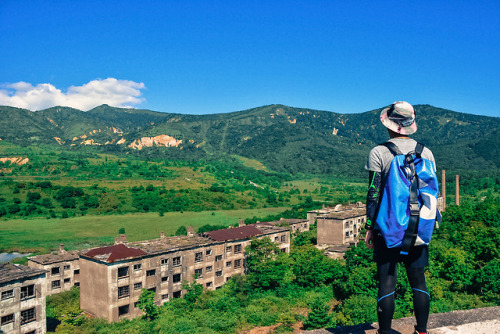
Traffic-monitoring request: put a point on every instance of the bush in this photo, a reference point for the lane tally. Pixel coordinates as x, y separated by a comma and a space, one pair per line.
318, 317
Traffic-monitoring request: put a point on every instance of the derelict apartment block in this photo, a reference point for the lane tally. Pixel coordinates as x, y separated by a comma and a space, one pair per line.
339, 225
112, 277
22, 299
63, 269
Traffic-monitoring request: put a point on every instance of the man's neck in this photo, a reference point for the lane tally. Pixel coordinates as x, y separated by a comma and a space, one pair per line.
393, 135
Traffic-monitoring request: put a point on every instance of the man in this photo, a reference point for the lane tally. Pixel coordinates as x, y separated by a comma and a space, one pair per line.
399, 119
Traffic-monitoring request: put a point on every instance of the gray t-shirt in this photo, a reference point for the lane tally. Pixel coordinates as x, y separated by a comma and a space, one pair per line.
380, 157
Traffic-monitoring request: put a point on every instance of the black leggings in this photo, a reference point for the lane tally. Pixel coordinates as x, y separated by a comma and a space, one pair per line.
387, 285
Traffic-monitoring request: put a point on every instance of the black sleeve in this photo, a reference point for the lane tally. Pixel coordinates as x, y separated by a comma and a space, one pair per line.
375, 181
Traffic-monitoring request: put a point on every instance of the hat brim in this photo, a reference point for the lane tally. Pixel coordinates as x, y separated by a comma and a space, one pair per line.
403, 130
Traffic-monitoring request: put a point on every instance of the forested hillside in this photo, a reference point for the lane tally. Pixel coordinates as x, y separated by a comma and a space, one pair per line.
285, 139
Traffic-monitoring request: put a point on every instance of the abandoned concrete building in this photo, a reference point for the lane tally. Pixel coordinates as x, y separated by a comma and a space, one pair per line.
63, 269
339, 225
112, 277
22, 299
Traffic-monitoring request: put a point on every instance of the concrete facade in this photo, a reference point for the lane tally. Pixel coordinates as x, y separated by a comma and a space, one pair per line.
340, 225
22, 300
112, 278
63, 270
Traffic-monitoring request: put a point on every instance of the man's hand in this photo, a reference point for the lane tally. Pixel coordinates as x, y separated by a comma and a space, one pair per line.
369, 239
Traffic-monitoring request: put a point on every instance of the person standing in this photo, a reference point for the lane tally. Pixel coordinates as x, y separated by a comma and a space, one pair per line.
399, 119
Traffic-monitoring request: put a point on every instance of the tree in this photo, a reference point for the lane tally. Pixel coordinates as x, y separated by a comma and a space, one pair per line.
182, 230
311, 267
268, 268
32, 197
121, 230
260, 250
318, 317
193, 292
147, 305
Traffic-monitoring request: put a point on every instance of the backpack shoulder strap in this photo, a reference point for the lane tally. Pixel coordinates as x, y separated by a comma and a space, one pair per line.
419, 149
393, 148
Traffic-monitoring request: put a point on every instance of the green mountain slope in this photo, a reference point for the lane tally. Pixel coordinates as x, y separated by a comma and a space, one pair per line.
283, 138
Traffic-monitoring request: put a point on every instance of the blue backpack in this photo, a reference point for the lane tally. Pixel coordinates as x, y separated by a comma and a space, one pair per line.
407, 212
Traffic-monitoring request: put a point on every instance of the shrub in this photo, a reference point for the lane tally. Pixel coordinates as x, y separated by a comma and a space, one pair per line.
318, 317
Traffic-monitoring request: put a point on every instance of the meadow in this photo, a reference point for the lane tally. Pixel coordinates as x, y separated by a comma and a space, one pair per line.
42, 235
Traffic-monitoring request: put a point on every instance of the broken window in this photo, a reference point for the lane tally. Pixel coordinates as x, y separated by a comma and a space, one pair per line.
56, 284
198, 273
66, 267
283, 238
208, 252
76, 272
198, 257
218, 258
28, 315
7, 294
229, 249
122, 272
66, 280
176, 261
237, 263
209, 284
55, 271
151, 272
177, 294
137, 266
218, 273
164, 262
123, 291
208, 269
164, 279
237, 249
176, 278
229, 264
7, 319
138, 286
122, 310
27, 291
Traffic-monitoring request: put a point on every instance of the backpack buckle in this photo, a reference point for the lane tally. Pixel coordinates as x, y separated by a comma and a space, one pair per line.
414, 209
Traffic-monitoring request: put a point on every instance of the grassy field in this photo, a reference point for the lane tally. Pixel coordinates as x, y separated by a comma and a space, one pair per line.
44, 235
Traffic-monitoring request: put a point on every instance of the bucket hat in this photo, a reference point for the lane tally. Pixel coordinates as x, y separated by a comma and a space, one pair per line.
399, 117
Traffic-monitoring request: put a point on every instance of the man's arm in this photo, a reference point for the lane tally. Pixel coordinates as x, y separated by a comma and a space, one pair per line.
375, 179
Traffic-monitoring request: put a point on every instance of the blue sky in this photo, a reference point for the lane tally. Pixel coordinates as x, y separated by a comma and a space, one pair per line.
203, 57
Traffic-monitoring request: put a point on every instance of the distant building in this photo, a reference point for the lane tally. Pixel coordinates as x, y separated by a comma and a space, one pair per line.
63, 269
112, 277
340, 225
22, 299
296, 225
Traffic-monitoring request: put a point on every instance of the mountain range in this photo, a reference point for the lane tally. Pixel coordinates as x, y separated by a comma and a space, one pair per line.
283, 138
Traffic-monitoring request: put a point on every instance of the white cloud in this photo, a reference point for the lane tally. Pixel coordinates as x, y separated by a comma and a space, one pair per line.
117, 93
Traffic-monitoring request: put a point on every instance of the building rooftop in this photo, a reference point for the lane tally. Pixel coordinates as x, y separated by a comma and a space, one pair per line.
338, 207
130, 250
242, 232
11, 272
114, 253
283, 221
345, 214
170, 243
46, 259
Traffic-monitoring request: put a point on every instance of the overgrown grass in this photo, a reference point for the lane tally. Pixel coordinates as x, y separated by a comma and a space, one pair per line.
43, 235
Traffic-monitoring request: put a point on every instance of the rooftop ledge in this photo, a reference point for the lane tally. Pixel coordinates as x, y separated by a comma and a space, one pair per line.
478, 321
